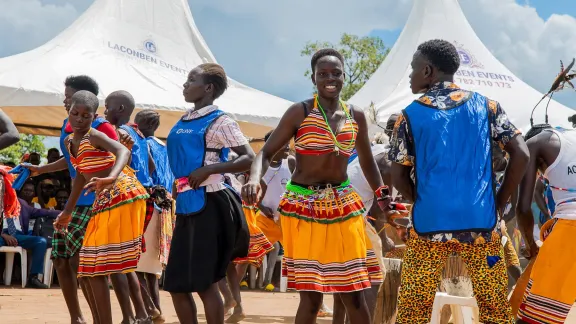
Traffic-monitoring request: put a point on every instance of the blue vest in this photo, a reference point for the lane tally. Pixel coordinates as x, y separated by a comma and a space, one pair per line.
186, 145
83, 200
455, 187
139, 160
162, 176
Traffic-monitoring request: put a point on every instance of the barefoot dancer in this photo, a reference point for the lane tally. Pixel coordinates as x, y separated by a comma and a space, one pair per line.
210, 227
321, 214
119, 108
446, 137
159, 232
112, 242
66, 243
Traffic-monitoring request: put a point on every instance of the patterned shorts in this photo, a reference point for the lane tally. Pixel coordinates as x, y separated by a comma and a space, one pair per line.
65, 244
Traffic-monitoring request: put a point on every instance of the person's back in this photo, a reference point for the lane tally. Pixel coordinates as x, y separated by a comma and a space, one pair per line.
162, 174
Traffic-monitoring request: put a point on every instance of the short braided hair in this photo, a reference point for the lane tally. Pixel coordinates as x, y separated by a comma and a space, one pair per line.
441, 54
148, 116
535, 130
214, 74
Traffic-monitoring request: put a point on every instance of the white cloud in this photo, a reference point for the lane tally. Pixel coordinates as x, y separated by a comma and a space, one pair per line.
259, 41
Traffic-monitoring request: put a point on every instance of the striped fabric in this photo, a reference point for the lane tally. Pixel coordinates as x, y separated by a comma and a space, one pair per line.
314, 138
259, 243
541, 310
88, 158
324, 240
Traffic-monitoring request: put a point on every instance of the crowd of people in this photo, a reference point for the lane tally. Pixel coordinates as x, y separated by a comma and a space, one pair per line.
449, 175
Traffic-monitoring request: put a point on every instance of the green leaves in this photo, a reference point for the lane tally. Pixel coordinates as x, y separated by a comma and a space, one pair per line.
27, 144
362, 55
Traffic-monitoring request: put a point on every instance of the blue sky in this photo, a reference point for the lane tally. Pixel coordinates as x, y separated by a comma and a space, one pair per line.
258, 41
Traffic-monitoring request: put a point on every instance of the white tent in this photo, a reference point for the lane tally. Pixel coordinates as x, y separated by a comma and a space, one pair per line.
146, 47
480, 71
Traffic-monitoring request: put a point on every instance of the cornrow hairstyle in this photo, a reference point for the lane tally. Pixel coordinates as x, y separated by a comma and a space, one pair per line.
535, 130
322, 53
149, 117
214, 74
441, 54
82, 82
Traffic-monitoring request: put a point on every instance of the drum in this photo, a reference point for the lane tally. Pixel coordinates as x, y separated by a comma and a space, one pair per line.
387, 302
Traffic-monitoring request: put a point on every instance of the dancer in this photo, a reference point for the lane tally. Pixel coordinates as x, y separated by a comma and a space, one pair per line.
67, 242
159, 232
321, 214
113, 236
549, 298
119, 108
210, 228
445, 136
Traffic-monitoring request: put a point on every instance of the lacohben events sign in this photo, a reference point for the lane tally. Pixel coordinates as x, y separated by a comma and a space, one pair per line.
142, 56
480, 78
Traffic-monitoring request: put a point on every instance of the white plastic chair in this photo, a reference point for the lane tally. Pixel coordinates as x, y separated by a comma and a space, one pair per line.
456, 303
10, 251
48, 268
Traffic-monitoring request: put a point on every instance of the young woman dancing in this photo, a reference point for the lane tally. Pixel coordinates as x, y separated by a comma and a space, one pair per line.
321, 214
210, 230
112, 243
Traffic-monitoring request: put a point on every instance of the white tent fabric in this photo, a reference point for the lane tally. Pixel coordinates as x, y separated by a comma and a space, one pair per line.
389, 87
146, 47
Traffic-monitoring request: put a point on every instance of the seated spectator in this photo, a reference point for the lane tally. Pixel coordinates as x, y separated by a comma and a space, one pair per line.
34, 158
28, 213
61, 198
45, 194
28, 193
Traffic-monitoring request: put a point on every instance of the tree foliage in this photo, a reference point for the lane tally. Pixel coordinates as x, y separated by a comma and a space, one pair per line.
27, 144
362, 55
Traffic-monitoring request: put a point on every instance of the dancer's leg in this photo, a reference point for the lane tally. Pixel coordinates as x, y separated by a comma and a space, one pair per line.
213, 306
120, 284
99, 286
154, 289
89, 294
136, 296
356, 308
371, 296
272, 256
185, 308
69, 285
229, 302
146, 297
310, 303
234, 277
339, 310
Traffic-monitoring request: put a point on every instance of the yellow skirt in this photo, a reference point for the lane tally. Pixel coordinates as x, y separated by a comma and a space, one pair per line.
270, 228
324, 239
113, 239
551, 290
259, 244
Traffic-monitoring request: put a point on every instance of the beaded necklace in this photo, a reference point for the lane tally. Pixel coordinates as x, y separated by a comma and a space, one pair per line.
337, 145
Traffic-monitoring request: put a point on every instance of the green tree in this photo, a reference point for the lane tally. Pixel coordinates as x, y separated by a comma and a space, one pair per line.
27, 144
362, 55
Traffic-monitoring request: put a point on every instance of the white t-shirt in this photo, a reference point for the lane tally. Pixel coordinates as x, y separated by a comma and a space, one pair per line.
358, 180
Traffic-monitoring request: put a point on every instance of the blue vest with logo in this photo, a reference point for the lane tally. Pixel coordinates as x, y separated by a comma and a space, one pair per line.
455, 187
139, 160
186, 146
162, 175
83, 200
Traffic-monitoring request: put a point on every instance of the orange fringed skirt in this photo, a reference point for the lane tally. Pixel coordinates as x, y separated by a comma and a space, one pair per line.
259, 243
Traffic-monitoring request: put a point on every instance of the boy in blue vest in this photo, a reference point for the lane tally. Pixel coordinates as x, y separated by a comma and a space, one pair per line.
446, 137
119, 108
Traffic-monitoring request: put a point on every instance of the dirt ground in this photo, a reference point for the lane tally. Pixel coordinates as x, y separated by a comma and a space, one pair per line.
29, 306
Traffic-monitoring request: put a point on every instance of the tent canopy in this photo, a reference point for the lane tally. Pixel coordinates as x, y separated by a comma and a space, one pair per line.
388, 89
146, 47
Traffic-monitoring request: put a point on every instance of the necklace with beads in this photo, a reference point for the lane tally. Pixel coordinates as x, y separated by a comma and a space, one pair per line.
337, 145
